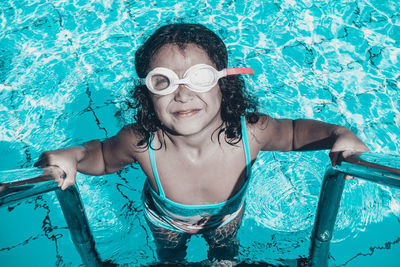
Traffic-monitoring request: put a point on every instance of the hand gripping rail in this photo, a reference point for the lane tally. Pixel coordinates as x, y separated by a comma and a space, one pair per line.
378, 168
16, 190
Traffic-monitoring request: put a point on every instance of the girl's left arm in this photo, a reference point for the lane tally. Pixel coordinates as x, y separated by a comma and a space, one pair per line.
316, 135
303, 135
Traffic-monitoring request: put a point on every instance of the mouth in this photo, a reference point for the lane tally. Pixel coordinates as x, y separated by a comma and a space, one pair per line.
186, 113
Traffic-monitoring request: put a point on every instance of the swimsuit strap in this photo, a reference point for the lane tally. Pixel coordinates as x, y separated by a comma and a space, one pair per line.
154, 168
246, 147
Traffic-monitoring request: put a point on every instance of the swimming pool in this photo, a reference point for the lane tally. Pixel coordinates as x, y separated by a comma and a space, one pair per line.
65, 67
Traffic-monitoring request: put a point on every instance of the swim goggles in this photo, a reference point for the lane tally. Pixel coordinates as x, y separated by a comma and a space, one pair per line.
198, 78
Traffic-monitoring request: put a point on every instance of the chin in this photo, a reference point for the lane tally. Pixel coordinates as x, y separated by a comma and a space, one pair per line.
188, 129
190, 125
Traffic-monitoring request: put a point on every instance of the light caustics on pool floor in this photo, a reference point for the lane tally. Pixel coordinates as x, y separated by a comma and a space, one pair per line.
66, 67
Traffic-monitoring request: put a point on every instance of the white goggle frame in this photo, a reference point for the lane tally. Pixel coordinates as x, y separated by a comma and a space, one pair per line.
188, 79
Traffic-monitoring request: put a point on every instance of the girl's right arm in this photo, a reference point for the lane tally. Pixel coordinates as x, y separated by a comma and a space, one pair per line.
93, 158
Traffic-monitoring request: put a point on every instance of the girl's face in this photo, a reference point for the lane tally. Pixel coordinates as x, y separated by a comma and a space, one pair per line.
183, 111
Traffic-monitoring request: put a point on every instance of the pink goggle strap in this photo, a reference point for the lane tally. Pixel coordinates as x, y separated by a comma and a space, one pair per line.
235, 71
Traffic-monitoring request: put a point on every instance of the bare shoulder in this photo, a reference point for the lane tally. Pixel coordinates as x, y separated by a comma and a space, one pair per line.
125, 146
257, 129
131, 139
271, 134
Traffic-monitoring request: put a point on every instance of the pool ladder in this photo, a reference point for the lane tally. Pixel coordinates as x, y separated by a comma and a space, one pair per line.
378, 168
71, 206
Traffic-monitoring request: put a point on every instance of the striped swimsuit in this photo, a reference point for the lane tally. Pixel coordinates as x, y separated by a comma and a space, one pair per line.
192, 219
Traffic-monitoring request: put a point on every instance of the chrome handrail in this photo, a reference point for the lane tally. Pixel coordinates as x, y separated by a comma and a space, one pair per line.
378, 168
70, 202
26, 186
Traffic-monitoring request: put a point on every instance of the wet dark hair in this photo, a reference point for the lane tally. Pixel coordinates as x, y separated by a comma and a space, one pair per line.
235, 102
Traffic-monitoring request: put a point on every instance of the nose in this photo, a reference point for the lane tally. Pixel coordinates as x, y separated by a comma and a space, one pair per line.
183, 94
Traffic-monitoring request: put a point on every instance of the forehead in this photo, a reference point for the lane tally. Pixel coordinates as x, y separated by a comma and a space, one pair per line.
180, 57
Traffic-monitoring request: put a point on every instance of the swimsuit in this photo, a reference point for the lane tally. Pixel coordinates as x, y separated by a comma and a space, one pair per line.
192, 219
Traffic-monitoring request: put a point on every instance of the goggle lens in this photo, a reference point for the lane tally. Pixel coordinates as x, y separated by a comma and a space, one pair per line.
160, 82
202, 77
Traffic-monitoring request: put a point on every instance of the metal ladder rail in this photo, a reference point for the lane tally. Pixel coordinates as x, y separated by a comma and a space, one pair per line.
71, 205
378, 168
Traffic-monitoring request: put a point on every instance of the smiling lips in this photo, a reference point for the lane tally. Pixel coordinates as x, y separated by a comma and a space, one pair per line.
186, 113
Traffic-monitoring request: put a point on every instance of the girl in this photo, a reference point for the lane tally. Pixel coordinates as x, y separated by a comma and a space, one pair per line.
195, 137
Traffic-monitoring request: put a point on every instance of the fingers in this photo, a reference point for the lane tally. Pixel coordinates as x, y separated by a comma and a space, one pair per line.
65, 181
57, 173
348, 177
70, 180
333, 157
59, 166
336, 158
59, 181
63, 176
349, 153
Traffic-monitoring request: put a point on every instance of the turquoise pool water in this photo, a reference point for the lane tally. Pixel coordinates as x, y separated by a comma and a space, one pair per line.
65, 67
